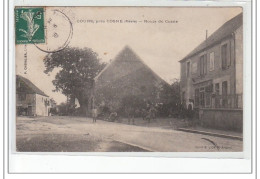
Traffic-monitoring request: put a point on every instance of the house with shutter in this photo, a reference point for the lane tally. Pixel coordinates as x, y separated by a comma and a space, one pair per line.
30, 100
212, 76
125, 76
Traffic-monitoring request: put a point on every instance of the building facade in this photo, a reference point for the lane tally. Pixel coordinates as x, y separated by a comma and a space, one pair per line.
212, 74
30, 100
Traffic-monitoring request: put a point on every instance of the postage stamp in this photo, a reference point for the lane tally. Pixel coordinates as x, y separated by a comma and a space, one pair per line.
29, 25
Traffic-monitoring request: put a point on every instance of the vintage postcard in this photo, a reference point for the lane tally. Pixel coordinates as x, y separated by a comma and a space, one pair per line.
129, 79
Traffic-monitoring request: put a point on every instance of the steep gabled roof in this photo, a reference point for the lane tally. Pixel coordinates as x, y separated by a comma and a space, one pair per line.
128, 55
30, 85
224, 31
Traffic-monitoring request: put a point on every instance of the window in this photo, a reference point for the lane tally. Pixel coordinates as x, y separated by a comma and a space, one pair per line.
224, 88
188, 69
217, 88
197, 97
224, 57
208, 99
203, 65
202, 99
217, 97
211, 61
209, 88
194, 68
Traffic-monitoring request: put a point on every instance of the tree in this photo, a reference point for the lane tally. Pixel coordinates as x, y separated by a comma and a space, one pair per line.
170, 97
77, 70
62, 109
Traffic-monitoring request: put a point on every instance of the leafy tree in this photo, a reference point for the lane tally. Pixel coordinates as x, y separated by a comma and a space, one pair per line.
170, 97
62, 109
77, 70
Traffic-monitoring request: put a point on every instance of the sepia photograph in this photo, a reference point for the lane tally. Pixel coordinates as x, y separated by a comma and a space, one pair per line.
128, 79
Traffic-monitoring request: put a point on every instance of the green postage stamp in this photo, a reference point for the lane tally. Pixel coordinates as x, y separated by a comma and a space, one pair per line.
29, 25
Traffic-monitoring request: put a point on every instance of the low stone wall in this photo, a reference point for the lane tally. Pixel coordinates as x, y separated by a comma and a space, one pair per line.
226, 119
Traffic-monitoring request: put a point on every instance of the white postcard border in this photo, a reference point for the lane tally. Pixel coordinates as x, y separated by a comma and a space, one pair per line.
54, 162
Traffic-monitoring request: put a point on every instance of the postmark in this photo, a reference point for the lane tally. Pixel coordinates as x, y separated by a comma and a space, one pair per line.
29, 25
58, 31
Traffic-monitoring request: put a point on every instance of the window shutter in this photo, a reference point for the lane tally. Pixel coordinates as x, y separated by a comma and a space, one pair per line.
224, 56
228, 54
211, 61
201, 65
205, 63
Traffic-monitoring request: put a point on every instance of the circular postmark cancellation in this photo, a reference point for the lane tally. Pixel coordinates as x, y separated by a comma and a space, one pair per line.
58, 31
50, 30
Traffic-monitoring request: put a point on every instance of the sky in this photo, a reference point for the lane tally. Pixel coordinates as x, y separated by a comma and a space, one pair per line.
159, 45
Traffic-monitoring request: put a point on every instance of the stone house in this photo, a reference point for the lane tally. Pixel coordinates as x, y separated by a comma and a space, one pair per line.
30, 100
212, 76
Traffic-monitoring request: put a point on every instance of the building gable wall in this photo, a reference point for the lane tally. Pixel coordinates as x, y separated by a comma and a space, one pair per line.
126, 75
41, 108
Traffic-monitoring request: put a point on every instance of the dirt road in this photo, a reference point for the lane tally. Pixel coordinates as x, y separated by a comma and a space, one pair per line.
78, 134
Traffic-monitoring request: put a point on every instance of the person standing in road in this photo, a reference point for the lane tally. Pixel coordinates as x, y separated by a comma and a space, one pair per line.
94, 114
